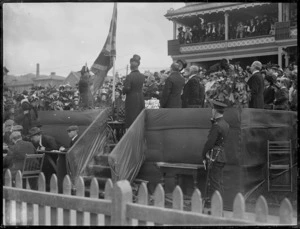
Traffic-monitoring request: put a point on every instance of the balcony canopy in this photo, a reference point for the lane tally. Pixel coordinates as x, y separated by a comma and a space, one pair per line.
208, 8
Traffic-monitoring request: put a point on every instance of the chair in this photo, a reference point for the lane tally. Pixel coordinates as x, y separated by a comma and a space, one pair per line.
279, 163
32, 166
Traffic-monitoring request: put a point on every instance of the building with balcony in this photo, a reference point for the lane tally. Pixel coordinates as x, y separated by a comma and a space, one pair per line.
225, 30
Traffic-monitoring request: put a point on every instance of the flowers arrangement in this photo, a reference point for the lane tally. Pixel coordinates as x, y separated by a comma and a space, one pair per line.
231, 88
152, 103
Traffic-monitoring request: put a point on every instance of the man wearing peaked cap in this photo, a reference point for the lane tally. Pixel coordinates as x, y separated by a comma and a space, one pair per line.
73, 135
213, 154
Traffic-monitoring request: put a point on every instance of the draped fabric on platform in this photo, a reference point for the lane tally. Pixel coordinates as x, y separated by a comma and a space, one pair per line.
128, 155
89, 144
104, 61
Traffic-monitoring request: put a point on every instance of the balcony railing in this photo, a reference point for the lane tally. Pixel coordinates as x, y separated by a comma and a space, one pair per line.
175, 48
282, 31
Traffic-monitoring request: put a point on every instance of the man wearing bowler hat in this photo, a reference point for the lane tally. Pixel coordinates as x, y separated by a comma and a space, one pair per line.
213, 154
133, 88
45, 143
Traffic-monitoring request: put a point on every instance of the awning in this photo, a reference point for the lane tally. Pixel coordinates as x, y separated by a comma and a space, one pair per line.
208, 8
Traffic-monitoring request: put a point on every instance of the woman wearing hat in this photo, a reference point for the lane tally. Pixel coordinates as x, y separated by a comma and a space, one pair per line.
133, 88
281, 95
86, 97
269, 92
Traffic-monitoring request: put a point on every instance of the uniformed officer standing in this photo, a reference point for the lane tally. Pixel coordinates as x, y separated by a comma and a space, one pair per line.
213, 152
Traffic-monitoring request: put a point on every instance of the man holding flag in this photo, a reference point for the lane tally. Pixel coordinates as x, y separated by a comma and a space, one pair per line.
106, 59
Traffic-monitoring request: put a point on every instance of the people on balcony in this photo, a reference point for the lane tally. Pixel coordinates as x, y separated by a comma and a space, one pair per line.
181, 35
188, 35
251, 28
265, 26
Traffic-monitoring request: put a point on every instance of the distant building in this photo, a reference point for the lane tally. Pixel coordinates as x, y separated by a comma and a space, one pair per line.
72, 79
52, 80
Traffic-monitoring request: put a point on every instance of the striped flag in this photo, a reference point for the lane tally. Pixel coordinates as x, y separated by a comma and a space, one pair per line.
104, 61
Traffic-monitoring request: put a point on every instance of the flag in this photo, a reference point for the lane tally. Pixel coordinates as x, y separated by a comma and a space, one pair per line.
104, 61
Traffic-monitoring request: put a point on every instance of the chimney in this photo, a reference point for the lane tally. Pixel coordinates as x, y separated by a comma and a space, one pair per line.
37, 70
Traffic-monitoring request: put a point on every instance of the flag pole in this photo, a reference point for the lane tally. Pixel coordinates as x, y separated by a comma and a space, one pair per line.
114, 87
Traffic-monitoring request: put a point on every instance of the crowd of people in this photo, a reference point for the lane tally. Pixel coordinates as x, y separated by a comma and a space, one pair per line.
215, 30
221, 85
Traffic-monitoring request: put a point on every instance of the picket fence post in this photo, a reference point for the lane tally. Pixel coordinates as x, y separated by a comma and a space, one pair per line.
108, 195
143, 200
67, 186
159, 198
10, 211
239, 207
261, 210
94, 194
122, 194
42, 209
53, 189
217, 204
196, 201
177, 197
80, 192
19, 205
286, 212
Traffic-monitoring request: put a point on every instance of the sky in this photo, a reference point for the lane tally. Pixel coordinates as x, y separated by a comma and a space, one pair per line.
62, 37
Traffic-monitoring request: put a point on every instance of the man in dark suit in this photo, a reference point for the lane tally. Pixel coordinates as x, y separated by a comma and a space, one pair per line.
133, 88
44, 142
171, 95
256, 85
17, 152
191, 90
73, 135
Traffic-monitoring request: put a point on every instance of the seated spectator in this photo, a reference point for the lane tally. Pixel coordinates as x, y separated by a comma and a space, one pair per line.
269, 93
16, 154
8, 126
73, 135
181, 35
45, 143
281, 95
188, 35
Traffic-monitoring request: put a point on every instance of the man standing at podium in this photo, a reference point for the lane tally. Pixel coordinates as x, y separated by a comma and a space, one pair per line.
133, 88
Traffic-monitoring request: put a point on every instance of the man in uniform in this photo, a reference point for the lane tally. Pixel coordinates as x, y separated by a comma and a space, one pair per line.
213, 154
133, 88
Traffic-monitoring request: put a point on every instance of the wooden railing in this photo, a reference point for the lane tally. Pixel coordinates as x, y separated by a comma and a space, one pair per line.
29, 207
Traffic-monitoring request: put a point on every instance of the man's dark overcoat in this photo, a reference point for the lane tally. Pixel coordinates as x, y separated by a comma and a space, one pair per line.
171, 95
191, 93
134, 103
256, 85
16, 156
